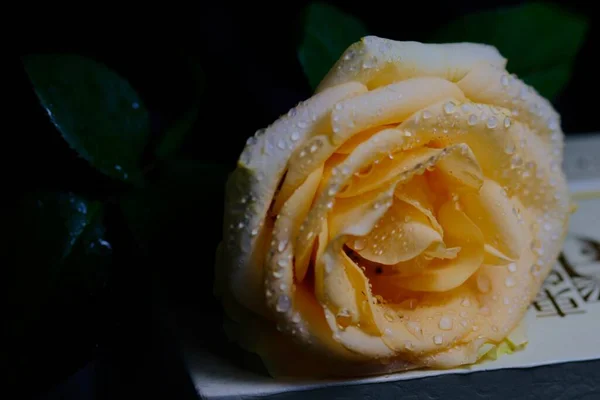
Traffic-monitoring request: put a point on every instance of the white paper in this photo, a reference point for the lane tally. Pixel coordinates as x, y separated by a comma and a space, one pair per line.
563, 323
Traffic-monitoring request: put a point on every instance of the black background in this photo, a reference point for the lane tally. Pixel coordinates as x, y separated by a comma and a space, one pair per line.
252, 75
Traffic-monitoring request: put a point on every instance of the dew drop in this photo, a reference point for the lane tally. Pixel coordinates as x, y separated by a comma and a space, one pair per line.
510, 147
349, 55
360, 244
466, 302
282, 245
512, 267
343, 318
295, 136
281, 144
507, 122
426, 114
483, 283
535, 270
449, 107
282, 262
492, 122
504, 80
302, 124
445, 323
438, 339
510, 282
283, 303
472, 119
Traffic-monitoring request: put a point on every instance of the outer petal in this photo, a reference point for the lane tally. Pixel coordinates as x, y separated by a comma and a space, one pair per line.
375, 62
251, 187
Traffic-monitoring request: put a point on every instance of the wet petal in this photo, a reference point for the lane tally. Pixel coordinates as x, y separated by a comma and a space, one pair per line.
400, 235
390, 104
445, 275
491, 210
493, 256
303, 163
375, 61
295, 210
252, 185
457, 162
418, 194
492, 85
349, 145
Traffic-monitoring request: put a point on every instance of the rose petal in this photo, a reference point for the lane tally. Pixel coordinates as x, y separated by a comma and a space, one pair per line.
375, 61
349, 145
302, 164
295, 210
445, 275
492, 85
400, 235
460, 164
493, 256
390, 104
491, 210
252, 185
418, 194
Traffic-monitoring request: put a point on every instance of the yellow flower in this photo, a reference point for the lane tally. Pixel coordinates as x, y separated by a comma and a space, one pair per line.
403, 217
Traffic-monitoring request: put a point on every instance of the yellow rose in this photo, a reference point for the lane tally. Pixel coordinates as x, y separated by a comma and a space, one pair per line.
403, 217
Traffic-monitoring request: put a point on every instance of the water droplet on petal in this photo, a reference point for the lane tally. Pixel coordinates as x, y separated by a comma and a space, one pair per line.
282, 245
282, 262
449, 107
283, 303
535, 270
438, 339
343, 318
472, 119
445, 323
360, 244
492, 122
483, 283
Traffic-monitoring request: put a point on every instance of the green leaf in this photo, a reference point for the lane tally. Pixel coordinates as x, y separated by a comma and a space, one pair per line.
539, 40
58, 272
96, 111
327, 34
174, 136
186, 197
60, 245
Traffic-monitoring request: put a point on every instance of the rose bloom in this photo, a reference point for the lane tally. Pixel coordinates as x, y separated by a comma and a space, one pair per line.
403, 217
